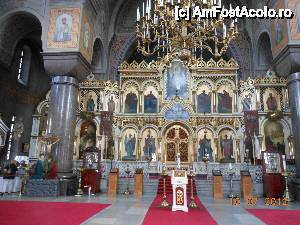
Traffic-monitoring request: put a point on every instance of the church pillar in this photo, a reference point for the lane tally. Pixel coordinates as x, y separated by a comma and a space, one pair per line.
160, 101
139, 151
258, 105
294, 95
194, 101
121, 102
235, 101
119, 149
214, 98
141, 95
62, 118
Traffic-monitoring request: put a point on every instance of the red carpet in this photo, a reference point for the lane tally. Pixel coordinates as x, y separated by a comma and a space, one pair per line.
46, 213
276, 216
163, 216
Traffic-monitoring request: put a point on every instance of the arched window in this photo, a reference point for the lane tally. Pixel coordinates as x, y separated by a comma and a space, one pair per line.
24, 62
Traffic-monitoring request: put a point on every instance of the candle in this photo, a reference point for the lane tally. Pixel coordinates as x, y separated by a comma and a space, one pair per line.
284, 162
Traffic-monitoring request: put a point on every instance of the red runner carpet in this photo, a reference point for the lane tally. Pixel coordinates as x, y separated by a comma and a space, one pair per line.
277, 216
165, 216
46, 213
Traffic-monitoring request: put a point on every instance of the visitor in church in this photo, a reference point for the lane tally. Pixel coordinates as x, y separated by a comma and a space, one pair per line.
9, 175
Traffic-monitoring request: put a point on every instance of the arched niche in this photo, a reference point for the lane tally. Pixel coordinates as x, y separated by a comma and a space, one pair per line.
15, 28
98, 58
264, 54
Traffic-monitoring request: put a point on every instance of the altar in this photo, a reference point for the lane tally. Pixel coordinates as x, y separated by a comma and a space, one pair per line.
203, 110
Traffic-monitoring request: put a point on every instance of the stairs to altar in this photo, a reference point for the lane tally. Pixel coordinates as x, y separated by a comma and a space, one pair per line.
169, 189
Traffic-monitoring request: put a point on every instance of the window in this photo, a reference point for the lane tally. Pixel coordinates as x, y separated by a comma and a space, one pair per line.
10, 137
24, 64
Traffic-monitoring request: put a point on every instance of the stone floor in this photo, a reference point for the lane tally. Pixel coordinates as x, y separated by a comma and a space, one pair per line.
131, 211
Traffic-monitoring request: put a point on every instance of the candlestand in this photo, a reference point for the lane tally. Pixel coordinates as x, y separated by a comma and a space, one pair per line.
287, 195
79, 190
127, 171
230, 173
164, 203
192, 203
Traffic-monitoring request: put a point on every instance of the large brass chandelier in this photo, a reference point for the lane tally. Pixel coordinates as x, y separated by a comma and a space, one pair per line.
159, 33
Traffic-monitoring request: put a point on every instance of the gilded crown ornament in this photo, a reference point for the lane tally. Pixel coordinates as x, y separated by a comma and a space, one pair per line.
158, 32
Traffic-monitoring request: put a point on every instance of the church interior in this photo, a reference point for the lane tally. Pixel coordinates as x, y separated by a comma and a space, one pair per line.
115, 112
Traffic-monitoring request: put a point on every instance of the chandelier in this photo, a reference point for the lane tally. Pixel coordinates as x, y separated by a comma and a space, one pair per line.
158, 32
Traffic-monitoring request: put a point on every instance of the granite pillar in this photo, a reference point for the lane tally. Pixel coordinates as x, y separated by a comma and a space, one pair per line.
61, 120
294, 95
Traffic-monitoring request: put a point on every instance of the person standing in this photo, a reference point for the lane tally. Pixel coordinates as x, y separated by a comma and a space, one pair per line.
9, 176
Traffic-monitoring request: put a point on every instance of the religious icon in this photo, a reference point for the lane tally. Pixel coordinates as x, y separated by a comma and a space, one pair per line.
278, 30
249, 147
111, 104
274, 136
86, 35
87, 136
227, 146
63, 28
25, 147
130, 145
247, 105
150, 103
131, 103
204, 103
177, 80
272, 103
149, 147
205, 150
90, 104
224, 102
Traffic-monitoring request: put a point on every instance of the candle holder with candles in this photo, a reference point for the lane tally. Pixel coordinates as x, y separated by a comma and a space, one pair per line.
287, 195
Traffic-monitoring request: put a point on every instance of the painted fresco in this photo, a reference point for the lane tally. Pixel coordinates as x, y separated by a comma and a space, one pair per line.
129, 144
86, 45
131, 103
177, 81
63, 29
279, 31
150, 101
87, 136
149, 145
294, 5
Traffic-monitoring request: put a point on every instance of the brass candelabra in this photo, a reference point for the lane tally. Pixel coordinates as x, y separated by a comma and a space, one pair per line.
165, 203
287, 195
192, 203
158, 31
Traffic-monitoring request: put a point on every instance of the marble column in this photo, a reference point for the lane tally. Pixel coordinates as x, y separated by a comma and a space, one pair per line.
61, 120
294, 95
